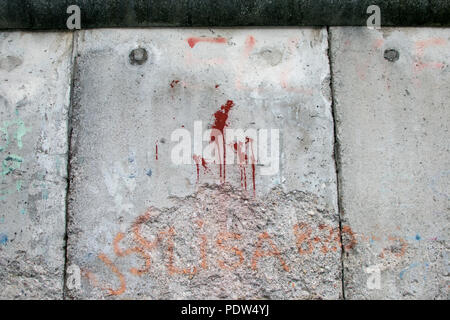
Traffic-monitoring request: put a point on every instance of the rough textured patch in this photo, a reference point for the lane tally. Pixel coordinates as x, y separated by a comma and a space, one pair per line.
393, 120
221, 243
35, 73
126, 106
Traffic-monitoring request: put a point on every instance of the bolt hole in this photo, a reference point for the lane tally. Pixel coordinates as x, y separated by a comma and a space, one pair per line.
138, 56
391, 55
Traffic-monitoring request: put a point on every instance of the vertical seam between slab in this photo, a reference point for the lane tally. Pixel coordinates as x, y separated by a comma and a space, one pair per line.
336, 156
69, 151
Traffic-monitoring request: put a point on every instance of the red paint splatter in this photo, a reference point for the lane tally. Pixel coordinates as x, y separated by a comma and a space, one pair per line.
249, 44
216, 86
244, 150
221, 116
173, 83
194, 40
220, 122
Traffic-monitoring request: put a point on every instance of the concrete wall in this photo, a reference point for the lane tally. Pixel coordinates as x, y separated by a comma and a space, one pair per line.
364, 215
35, 79
392, 117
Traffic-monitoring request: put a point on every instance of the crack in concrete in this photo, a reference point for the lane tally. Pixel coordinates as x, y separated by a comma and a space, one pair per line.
69, 154
336, 156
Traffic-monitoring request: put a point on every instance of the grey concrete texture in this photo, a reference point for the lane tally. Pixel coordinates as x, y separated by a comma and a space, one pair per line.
35, 73
391, 91
141, 226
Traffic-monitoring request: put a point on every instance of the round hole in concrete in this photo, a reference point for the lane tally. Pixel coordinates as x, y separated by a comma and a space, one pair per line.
391, 55
138, 56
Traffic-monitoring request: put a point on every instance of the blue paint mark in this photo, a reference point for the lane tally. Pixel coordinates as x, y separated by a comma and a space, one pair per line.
149, 172
425, 275
23, 211
132, 176
418, 237
3, 239
45, 194
413, 265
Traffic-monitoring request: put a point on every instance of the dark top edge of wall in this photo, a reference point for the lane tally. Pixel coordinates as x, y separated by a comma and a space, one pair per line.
52, 14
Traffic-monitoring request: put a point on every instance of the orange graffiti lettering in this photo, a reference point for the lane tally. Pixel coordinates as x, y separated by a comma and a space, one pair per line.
115, 270
302, 237
170, 266
259, 253
223, 236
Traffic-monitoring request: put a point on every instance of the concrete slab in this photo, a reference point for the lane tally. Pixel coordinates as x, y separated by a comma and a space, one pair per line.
391, 93
146, 222
35, 75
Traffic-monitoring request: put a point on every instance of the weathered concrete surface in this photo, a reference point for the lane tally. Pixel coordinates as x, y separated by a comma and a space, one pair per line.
35, 74
141, 226
393, 118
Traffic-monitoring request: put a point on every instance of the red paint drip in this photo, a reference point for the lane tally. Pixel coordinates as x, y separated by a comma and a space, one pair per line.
204, 164
156, 144
242, 159
241, 151
200, 161
220, 122
194, 40
253, 179
197, 163
252, 160
249, 44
